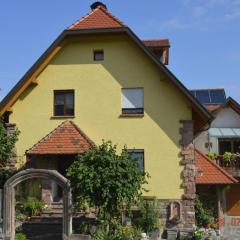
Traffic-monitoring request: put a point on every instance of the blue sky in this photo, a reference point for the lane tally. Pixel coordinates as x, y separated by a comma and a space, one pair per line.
204, 35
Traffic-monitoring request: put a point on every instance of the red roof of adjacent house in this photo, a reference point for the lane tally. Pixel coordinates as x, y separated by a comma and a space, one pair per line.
157, 43
209, 172
67, 138
97, 18
213, 107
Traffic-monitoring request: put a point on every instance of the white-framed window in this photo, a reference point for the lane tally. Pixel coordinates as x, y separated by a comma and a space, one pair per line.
132, 101
138, 155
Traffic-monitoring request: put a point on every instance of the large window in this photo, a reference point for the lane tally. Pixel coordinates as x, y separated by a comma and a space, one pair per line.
229, 145
132, 101
137, 155
63, 103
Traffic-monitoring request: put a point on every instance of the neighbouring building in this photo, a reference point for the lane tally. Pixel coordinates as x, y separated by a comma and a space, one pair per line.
97, 81
221, 141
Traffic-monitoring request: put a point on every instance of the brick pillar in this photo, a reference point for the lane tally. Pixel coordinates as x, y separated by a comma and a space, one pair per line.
188, 174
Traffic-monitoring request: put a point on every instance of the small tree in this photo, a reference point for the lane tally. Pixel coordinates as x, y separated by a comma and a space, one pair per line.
107, 180
7, 143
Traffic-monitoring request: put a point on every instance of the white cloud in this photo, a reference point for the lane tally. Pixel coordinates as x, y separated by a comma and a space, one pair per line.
198, 11
201, 13
176, 24
233, 15
233, 57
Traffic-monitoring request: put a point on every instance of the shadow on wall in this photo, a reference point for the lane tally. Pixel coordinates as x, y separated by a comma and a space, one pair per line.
163, 102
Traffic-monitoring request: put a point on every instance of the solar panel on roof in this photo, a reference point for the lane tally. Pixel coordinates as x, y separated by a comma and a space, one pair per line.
203, 96
217, 96
210, 96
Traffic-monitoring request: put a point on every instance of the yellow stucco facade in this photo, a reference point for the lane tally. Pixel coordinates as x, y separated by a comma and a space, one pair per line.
97, 87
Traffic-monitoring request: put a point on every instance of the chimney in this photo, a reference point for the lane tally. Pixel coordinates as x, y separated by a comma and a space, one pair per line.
98, 4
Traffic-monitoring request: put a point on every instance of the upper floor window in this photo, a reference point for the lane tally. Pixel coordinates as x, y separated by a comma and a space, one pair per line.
98, 55
229, 145
64, 103
138, 155
132, 101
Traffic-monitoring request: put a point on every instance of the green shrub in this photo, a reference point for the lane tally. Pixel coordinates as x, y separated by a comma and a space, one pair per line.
204, 214
227, 156
119, 233
34, 206
103, 178
198, 234
7, 143
20, 236
147, 217
5, 173
31, 207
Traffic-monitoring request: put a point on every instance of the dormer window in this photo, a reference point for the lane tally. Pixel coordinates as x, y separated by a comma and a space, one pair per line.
98, 55
63, 103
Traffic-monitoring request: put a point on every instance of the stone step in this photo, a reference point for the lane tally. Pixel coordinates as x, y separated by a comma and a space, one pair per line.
43, 230
46, 219
56, 207
52, 215
50, 210
47, 237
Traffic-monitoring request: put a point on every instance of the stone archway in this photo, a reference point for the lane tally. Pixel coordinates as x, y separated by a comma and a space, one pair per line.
9, 199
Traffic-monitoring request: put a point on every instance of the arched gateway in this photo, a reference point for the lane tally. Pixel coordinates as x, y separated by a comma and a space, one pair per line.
9, 199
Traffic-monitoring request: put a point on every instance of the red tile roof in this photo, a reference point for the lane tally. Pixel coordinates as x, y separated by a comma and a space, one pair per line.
209, 172
67, 138
157, 43
213, 107
97, 18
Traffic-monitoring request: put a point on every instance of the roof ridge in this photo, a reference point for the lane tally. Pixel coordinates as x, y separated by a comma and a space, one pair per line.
230, 102
112, 16
81, 19
93, 11
217, 166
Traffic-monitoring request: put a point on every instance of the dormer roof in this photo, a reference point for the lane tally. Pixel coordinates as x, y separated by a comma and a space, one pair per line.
67, 138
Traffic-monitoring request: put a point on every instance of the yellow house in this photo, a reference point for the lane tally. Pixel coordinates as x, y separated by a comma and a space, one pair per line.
97, 81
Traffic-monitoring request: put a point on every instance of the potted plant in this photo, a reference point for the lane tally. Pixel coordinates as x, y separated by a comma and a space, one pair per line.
212, 155
227, 156
198, 234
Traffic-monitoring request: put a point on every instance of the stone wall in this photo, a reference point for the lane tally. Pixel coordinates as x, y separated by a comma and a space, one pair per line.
186, 203
188, 174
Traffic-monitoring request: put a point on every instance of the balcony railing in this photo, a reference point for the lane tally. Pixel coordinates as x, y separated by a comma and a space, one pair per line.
231, 165
234, 162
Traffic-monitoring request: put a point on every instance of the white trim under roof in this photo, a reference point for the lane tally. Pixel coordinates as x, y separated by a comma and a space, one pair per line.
224, 132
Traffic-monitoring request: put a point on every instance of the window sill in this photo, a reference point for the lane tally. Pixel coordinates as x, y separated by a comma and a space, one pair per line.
132, 115
62, 117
